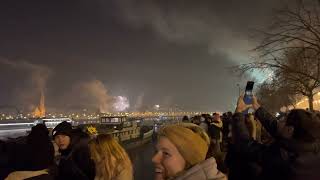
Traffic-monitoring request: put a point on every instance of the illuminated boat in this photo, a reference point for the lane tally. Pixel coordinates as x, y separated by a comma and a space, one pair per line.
129, 132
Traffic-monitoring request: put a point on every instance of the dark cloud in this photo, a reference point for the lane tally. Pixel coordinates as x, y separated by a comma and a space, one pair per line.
222, 27
29, 87
167, 52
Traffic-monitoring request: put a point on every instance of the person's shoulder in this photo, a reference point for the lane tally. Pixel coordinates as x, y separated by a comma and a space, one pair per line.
80, 141
79, 136
80, 133
205, 170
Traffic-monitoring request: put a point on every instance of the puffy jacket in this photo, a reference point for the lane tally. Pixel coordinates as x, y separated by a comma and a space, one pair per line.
206, 170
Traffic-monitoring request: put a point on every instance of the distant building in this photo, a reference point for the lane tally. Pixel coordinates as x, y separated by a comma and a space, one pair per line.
40, 111
304, 103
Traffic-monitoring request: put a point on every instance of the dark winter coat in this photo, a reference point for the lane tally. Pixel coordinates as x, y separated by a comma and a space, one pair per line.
283, 159
249, 159
31, 153
5, 168
305, 156
215, 130
75, 162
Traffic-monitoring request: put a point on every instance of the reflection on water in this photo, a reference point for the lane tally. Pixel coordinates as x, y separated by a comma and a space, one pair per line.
12, 133
141, 159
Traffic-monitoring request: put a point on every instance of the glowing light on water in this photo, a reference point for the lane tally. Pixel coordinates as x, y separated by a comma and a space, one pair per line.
121, 103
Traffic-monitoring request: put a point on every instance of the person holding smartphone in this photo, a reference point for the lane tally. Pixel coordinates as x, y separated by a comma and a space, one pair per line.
294, 154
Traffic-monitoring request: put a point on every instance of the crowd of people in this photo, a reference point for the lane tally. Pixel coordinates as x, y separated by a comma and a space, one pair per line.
233, 146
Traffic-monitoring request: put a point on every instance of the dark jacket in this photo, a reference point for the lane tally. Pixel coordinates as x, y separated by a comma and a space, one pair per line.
215, 130
252, 160
239, 167
5, 167
75, 162
283, 159
31, 153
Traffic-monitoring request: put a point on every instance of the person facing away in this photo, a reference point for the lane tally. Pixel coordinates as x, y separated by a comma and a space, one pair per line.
215, 128
294, 154
75, 162
35, 159
205, 121
111, 160
185, 119
215, 133
181, 154
196, 120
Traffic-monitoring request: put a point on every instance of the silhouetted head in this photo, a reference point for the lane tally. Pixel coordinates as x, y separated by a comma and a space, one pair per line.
300, 125
39, 150
185, 119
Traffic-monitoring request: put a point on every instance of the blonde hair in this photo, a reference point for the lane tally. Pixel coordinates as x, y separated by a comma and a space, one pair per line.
191, 141
110, 158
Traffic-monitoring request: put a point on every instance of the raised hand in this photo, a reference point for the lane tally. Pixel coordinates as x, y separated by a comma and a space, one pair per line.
241, 106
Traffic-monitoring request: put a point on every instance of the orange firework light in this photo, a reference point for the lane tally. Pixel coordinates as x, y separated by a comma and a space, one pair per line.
40, 111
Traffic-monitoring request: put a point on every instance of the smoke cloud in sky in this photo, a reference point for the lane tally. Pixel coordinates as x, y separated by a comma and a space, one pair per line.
139, 103
38, 77
84, 53
93, 94
39, 73
96, 93
201, 23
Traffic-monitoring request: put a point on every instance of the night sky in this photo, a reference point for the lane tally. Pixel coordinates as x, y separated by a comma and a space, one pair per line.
83, 53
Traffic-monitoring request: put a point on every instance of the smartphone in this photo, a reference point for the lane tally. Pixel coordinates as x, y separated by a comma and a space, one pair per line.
248, 93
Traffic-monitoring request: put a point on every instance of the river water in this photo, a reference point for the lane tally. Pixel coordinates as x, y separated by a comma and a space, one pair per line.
141, 160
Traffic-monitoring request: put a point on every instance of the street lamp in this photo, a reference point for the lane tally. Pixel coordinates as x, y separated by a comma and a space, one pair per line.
157, 107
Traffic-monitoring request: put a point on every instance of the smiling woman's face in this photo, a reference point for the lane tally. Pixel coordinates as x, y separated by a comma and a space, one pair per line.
167, 160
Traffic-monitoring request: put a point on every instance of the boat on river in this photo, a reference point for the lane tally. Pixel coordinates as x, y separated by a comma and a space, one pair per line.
129, 132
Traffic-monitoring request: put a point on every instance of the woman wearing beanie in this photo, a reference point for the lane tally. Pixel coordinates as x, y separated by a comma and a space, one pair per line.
181, 153
74, 162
